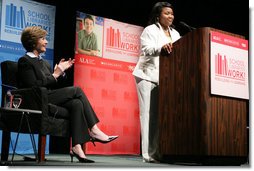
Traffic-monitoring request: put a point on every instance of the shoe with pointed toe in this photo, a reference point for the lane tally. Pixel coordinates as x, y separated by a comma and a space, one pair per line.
80, 159
110, 139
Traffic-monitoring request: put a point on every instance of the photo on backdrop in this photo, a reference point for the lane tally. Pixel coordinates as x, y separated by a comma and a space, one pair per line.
89, 31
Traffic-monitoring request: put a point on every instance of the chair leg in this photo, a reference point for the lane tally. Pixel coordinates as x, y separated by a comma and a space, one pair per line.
6, 137
41, 147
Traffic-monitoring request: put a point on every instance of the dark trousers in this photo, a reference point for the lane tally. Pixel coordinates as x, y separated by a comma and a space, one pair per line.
82, 115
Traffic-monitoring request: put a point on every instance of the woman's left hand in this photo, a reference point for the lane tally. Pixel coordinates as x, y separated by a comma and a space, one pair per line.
64, 65
167, 48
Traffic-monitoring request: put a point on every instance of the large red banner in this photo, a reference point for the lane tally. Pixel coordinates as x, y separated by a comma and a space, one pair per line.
109, 84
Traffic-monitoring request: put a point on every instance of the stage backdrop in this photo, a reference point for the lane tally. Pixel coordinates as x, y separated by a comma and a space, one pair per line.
15, 16
109, 84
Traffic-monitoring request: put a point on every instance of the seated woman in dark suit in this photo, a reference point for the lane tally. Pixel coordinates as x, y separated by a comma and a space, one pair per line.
33, 70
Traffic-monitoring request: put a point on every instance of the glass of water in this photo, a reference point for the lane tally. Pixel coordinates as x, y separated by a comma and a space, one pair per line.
16, 101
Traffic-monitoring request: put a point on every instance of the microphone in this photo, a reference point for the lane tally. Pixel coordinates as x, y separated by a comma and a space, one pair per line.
190, 28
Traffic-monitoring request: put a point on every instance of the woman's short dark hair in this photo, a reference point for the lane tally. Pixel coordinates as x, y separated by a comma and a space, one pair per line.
30, 37
156, 12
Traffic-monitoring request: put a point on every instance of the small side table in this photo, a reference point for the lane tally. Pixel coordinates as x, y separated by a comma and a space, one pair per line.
24, 114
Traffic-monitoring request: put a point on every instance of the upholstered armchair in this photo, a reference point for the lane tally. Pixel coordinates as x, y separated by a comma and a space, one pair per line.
53, 119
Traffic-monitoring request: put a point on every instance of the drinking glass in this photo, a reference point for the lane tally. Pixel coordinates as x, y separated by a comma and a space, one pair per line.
8, 99
16, 101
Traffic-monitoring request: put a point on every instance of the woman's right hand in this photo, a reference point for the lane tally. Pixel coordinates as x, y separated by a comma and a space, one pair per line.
57, 71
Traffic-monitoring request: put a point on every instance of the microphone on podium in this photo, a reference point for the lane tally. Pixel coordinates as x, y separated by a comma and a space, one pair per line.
190, 28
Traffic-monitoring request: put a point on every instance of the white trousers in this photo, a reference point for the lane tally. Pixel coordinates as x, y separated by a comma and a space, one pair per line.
148, 108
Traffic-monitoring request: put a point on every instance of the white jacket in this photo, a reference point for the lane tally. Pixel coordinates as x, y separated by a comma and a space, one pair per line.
152, 40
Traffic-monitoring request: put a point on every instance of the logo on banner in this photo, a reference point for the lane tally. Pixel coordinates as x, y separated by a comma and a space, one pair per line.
122, 41
230, 68
16, 20
15, 17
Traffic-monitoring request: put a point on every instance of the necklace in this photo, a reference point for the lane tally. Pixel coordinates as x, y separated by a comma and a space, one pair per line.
166, 32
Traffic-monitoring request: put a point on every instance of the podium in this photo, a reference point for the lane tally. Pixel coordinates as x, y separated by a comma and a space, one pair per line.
197, 126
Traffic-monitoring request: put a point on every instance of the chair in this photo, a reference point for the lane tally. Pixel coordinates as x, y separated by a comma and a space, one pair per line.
53, 121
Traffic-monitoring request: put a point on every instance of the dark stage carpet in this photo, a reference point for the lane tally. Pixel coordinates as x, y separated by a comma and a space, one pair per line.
101, 161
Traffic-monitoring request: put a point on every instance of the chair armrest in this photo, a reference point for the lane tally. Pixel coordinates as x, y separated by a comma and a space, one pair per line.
8, 87
34, 98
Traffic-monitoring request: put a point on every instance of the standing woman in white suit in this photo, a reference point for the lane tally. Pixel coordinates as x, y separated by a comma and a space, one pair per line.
157, 37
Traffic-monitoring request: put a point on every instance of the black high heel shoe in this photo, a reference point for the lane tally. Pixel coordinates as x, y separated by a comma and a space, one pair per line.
110, 138
80, 159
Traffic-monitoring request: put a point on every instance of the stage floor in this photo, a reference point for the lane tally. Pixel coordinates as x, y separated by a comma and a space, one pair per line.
101, 161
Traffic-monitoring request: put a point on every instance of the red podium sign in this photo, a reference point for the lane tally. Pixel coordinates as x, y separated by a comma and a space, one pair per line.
229, 66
